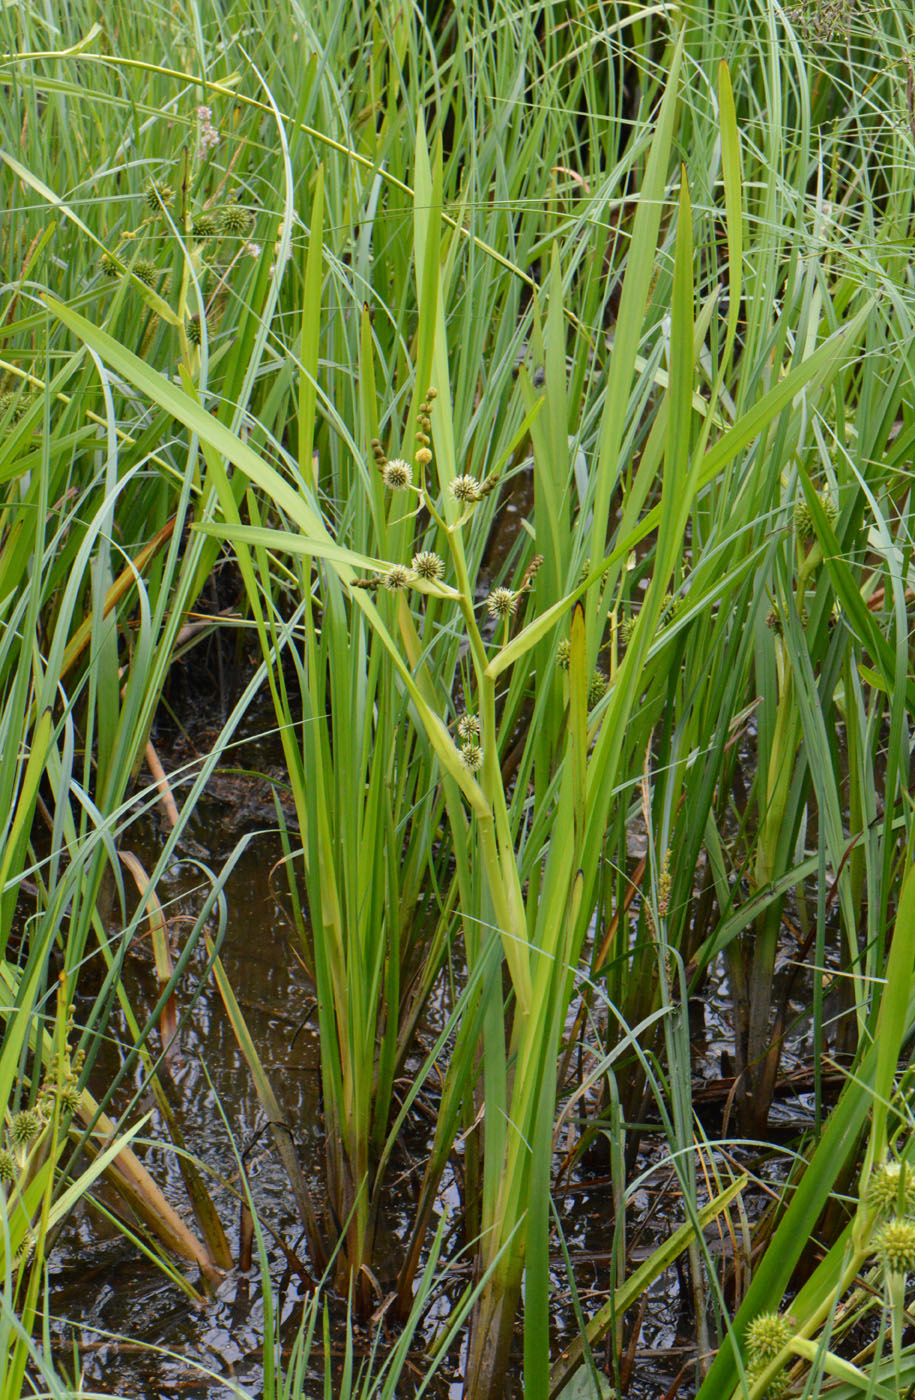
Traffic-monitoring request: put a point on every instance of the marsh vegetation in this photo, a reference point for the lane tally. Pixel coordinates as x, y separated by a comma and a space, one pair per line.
515, 406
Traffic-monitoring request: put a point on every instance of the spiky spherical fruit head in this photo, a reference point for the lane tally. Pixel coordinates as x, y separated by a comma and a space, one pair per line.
397, 474
158, 196
398, 579
146, 272
627, 627
501, 602
465, 489
9, 1169
428, 566
803, 518
776, 1387
884, 1183
108, 267
895, 1245
69, 1097
563, 652
205, 226
472, 756
597, 688
767, 1334
468, 728
235, 220
26, 1126
194, 329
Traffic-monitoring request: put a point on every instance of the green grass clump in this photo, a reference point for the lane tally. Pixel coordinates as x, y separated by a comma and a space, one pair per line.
654, 265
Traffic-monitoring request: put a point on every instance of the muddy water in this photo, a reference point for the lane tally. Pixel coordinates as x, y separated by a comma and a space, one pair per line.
119, 1306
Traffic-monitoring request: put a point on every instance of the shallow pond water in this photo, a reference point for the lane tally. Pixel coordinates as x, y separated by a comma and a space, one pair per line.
137, 1334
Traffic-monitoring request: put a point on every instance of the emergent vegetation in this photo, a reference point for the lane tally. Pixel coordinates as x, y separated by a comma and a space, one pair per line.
545, 373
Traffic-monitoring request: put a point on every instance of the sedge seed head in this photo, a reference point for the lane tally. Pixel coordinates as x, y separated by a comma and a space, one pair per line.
563, 652
895, 1245
883, 1186
597, 688
472, 756
194, 329
158, 196
501, 602
108, 267
465, 489
767, 1334
776, 1388
146, 272
468, 728
398, 579
205, 226
26, 1126
428, 566
235, 220
397, 474
9, 1168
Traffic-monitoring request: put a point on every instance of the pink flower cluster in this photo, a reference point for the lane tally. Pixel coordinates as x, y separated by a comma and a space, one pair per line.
209, 136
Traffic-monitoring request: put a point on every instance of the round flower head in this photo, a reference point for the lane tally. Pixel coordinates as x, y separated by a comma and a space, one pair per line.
501, 602
194, 330
776, 1388
563, 652
767, 1334
803, 519
26, 1126
8, 1166
472, 756
397, 474
158, 196
398, 579
895, 1244
468, 727
69, 1097
465, 489
205, 226
108, 267
235, 220
883, 1186
146, 272
428, 566
597, 688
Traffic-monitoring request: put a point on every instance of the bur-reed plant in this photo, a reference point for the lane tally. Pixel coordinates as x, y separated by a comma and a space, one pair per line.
702, 304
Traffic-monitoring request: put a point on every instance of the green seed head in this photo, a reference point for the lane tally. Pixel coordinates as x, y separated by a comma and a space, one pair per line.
803, 520
397, 474
108, 267
26, 1126
235, 220
472, 756
205, 226
563, 652
8, 1166
146, 272
776, 1388
158, 196
465, 489
883, 1187
428, 566
194, 329
895, 1245
468, 728
398, 579
597, 688
501, 602
767, 1334
627, 627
